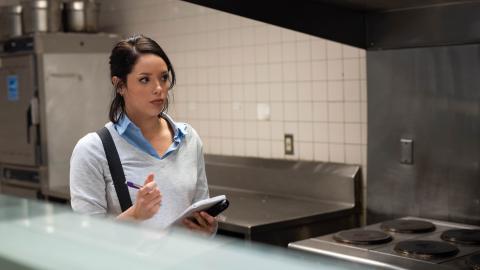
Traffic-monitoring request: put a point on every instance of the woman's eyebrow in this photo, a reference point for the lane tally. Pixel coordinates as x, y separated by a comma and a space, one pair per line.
148, 73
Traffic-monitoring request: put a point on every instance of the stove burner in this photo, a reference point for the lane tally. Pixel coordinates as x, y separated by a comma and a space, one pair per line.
462, 236
407, 226
474, 262
423, 249
362, 237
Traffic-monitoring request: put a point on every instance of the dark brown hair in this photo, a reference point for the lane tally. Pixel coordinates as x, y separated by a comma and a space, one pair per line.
122, 59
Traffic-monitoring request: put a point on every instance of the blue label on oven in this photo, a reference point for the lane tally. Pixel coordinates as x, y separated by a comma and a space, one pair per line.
12, 88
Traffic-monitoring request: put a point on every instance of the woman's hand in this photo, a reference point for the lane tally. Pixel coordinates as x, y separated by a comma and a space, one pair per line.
147, 203
204, 223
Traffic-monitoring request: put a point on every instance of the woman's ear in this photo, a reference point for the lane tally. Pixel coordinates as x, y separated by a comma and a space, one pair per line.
118, 84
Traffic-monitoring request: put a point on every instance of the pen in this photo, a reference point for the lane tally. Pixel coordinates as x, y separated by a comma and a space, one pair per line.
133, 185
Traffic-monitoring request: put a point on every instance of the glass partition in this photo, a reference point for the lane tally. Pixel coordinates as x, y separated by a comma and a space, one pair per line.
38, 235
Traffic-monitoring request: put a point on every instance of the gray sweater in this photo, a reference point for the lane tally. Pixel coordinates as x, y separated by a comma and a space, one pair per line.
180, 176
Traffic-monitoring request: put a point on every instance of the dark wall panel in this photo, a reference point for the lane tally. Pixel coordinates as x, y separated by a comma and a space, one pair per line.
430, 95
437, 25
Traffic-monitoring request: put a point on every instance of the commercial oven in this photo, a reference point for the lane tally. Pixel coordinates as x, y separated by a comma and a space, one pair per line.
54, 88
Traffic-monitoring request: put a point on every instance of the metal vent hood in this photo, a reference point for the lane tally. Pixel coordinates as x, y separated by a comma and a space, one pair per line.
368, 24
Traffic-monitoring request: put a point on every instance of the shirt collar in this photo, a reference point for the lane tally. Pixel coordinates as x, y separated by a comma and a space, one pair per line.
123, 124
179, 129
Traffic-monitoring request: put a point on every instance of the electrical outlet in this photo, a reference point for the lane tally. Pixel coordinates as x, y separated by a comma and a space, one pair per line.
288, 142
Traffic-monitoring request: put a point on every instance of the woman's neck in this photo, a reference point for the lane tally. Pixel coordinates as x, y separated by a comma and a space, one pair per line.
150, 126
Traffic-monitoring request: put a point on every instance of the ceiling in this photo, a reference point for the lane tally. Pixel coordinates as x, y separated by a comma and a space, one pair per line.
384, 5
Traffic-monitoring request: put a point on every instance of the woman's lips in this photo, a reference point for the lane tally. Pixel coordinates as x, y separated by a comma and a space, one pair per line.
157, 101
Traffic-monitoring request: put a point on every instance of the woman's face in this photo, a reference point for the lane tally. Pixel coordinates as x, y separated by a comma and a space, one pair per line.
147, 86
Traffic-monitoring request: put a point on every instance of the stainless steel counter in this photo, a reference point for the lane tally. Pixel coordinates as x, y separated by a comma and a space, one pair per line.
251, 212
281, 201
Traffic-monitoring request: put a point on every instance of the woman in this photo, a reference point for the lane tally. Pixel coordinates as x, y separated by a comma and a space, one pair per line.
164, 156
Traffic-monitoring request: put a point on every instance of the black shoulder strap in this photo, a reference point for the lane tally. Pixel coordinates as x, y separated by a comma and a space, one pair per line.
116, 169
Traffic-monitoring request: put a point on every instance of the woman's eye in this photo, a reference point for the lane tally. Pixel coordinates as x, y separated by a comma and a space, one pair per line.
144, 80
165, 77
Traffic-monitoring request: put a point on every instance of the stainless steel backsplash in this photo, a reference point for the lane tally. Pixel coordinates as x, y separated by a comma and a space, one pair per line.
432, 96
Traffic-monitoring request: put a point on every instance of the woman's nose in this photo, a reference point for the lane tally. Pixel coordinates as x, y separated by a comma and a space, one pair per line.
158, 87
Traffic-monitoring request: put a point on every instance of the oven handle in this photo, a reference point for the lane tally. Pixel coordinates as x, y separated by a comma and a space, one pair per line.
32, 116
29, 122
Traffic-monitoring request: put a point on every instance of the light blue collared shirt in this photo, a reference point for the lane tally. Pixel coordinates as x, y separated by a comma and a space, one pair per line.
132, 134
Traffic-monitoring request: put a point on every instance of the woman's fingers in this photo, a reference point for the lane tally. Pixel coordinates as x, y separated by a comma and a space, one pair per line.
152, 195
155, 201
200, 220
152, 202
148, 190
210, 220
149, 179
191, 225
148, 199
149, 185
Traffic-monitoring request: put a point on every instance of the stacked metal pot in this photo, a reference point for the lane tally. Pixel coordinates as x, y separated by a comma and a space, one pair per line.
10, 21
81, 16
48, 16
41, 16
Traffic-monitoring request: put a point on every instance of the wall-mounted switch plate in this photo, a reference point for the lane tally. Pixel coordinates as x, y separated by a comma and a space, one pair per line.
288, 144
406, 151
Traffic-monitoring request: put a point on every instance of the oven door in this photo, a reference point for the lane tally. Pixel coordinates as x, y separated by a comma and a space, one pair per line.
19, 119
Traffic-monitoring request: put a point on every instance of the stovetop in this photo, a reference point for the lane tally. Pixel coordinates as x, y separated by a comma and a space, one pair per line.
454, 255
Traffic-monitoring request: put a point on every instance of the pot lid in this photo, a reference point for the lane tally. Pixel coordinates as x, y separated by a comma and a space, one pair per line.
75, 5
41, 3
15, 9
36, 4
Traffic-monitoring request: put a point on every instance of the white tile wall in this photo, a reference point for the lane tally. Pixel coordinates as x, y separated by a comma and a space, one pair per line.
226, 65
